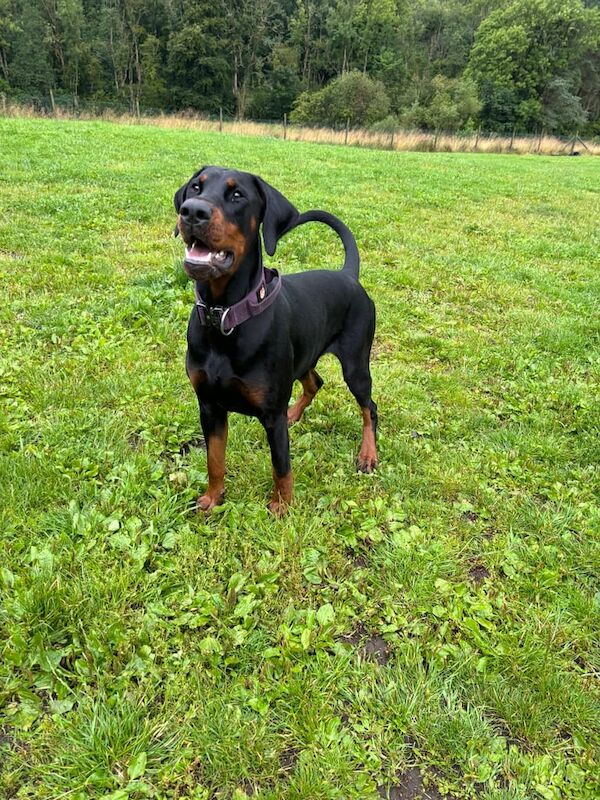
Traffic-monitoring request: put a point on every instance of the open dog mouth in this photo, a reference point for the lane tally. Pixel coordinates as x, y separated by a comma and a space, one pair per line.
198, 255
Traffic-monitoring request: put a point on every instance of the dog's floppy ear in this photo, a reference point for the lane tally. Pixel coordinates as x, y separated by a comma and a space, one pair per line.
279, 215
180, 196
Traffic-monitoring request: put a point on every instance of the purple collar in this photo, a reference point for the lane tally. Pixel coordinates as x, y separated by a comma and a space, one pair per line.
254, 303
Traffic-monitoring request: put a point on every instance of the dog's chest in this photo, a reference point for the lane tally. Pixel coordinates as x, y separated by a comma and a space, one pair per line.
215, 380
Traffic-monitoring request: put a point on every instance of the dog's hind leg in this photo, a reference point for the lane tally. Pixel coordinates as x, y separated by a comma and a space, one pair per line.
359, 382
279, 442
311, 383
353, 348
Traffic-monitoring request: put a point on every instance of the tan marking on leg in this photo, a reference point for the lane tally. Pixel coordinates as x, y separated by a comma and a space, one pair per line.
215, 492
367, 458
309, 389
253, 394
197, 378
282, 493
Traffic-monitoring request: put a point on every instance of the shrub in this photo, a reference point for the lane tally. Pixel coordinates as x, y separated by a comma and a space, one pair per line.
386, 125
353, 96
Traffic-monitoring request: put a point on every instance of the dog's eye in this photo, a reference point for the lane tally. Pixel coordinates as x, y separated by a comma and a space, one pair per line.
195, 187
236, 195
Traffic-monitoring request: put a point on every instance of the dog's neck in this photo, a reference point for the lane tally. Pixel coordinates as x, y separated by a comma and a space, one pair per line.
230, 289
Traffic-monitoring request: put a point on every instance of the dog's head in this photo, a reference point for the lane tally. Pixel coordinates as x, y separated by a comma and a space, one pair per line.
219, 215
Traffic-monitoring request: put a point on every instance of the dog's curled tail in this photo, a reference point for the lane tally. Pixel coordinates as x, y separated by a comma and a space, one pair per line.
352, 259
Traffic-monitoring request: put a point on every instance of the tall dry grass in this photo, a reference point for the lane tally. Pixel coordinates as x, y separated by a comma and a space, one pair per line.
475, 142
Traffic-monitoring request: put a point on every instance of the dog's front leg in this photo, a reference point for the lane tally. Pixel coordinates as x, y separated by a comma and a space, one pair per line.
213, 419
279, 442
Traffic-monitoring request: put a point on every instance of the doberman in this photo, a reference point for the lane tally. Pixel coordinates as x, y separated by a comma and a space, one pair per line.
253, 333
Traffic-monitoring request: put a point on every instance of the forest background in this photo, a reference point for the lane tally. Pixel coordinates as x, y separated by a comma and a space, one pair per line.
451, 65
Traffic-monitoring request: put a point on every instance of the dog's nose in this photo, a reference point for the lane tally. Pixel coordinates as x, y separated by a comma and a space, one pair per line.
195, 212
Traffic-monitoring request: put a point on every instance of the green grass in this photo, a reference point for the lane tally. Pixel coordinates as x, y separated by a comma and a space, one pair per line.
150, 652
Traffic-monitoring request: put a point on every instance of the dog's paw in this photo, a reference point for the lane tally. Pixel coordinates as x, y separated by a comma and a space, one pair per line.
278, 508
367, 462
207, 502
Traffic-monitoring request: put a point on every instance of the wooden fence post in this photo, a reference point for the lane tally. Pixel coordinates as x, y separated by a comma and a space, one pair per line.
220, 119
347, 129
392, 140
52, 101
478, 134
512, 137
285, 126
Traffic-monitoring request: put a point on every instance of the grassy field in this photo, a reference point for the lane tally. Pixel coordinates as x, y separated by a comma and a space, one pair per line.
430, 630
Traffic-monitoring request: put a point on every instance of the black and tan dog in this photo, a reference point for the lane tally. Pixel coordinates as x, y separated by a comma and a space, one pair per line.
252, 333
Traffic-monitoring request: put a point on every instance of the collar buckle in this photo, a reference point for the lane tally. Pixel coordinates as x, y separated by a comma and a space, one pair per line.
214, 316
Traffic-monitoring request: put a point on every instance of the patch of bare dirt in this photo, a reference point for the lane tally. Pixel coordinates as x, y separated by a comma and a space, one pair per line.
371, 646
479, 573
185, 447
410, 786
289, 758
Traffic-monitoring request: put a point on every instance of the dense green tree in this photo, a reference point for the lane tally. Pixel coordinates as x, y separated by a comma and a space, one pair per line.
30, 69
534, 62
521, 51
563, 110
199, 65
452, 103
154, 87
279, 87
250, 35
8, 31
308, 35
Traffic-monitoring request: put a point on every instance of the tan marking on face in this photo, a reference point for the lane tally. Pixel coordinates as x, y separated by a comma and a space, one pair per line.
224, 235
252, 224
230, 182
218, 285
202, 178
220, 234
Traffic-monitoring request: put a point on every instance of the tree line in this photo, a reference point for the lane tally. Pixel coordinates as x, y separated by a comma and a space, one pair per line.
434, 64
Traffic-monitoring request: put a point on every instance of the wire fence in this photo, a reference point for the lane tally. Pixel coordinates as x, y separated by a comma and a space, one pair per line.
388, 137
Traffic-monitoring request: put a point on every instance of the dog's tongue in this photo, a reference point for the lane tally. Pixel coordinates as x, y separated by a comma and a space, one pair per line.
197, 253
